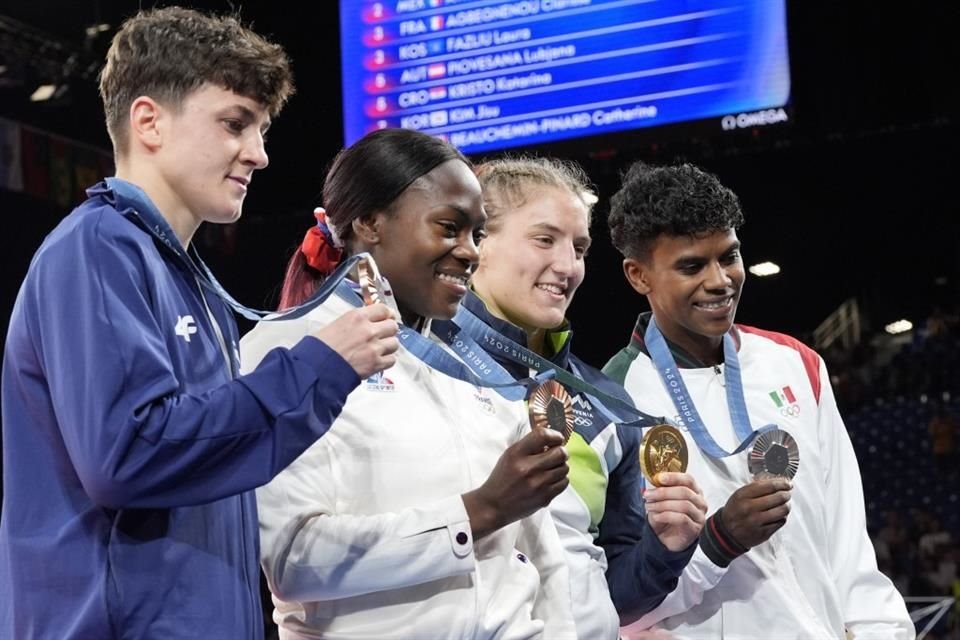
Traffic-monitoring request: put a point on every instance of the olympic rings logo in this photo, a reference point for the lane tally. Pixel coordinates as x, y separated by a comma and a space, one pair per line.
582, 422
791, 411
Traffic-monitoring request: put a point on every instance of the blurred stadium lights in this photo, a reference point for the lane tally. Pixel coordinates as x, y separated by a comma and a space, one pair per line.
765, 269
45, 65
899, 326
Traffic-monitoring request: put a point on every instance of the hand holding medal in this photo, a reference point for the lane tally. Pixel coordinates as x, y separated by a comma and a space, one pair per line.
774, 454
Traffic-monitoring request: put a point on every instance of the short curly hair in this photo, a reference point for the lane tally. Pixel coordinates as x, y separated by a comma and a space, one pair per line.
677, 200
168, 53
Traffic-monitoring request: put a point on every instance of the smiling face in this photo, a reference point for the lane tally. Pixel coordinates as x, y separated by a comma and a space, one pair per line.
426, 244
693, 285
532, 260
208, 151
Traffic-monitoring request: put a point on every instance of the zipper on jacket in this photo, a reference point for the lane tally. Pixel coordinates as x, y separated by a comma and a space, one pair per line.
216, 329
468, 477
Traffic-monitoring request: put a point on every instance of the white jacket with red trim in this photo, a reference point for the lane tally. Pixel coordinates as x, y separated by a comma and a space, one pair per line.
817, 576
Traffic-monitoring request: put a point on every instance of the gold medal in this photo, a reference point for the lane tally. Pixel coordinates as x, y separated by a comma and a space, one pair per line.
775, 453
551, 407
663, 448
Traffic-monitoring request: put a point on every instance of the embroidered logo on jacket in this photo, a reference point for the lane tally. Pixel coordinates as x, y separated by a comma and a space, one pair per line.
582, 411
185, 327
379, 382
486, 404
786, 402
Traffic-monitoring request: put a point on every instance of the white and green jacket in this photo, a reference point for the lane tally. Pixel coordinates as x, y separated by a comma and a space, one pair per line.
619, 569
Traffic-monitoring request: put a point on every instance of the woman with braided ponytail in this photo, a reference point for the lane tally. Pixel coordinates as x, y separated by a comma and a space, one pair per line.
419, 514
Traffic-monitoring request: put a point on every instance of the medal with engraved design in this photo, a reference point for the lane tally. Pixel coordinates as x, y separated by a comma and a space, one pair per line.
370, 288
550, 407
775, 454
374, 288
663, 448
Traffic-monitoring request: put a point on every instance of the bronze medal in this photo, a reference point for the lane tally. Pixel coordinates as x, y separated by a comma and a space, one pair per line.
775, 453
374, 288
372, 293
663, 448
550, 407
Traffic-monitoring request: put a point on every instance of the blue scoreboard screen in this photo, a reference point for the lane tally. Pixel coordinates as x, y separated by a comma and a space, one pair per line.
492, 75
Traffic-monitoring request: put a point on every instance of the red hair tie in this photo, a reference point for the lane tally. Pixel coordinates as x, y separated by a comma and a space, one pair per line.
318, 245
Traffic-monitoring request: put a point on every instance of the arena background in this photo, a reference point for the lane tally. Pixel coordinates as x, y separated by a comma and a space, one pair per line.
855, 199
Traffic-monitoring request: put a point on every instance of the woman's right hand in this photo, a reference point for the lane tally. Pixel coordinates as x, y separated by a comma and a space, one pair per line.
676, 510
366, 338
757, 510
528, 475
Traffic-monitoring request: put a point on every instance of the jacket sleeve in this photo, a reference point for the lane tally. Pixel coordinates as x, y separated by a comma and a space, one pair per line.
309, 552
540, 541
872, 607
640, 570
699, 576
135, 438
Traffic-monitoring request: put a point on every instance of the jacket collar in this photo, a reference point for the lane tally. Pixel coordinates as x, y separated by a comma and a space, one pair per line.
683, 358
557, 340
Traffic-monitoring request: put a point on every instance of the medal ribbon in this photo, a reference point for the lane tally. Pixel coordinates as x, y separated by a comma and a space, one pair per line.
476, 366
677, 390
613, 409
480, 369
133, 203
